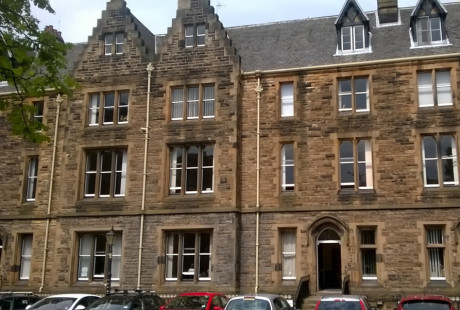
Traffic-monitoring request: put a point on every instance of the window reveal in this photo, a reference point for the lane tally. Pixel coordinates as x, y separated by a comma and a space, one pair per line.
191, 169
356, 164
188, 256
105, 173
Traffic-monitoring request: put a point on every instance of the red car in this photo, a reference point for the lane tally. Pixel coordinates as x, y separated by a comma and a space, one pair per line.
197, 300
422, 302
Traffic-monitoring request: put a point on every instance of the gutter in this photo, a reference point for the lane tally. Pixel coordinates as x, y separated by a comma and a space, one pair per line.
352, 64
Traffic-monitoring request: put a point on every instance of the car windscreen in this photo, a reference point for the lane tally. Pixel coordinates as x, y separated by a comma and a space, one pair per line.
426, 305
54, 303
339, 305
188, 302
248, 304
111, 303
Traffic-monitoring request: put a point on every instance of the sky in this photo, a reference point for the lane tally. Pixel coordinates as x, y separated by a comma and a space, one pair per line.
76, 18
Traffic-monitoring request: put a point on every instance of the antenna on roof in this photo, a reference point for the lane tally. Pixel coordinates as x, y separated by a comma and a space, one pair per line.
219, 6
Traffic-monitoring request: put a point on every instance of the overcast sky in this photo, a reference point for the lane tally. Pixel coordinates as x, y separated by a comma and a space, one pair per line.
76, 18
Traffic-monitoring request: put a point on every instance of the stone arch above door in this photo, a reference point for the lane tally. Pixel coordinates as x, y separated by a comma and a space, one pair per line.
324, 222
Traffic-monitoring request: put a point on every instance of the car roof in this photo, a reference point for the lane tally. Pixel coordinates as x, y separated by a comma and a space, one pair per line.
76, 295
199, 294
343, 297
258, 296
425, 297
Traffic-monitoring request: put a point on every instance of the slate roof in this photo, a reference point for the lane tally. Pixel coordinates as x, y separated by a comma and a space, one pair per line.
313, 42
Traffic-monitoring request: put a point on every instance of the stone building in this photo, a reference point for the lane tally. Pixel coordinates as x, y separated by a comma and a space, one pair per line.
290, 158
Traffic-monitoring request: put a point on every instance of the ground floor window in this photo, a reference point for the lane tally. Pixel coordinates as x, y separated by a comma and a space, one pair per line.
368, 254
288, 238
435, 248
93, 257
188, 256
26, 255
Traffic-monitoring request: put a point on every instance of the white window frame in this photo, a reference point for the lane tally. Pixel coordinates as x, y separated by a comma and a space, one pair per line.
119, 42
367, 245
32, 177
287, 164
176, 255
424, 27
434, 86
353, 94
352, 32
436, 247
38, 111
94, 173
108, 43
288, 253
195, 35
180, 170
287, 99
88, 251
101, 113
200, 102
439, 159
361, 161
26, 257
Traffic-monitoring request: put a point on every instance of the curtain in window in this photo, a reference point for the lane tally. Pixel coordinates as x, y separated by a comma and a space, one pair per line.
177, 104
32, 179
208, 101
94, 109
120, 173
365, 164
172, 256
288, 253
26, 254
193, 102
116, 258
175, 170
287, 99
287, 167
435, 241
84, 257
425, 89
443, 88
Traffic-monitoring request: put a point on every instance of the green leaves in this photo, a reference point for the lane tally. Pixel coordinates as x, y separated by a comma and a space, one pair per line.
31, 61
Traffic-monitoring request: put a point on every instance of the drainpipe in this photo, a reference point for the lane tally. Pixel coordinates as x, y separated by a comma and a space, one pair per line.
145, 130
59, 101
258, 90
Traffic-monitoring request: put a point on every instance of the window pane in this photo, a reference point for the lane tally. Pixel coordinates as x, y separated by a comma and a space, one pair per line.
365, 164
32, 179
188, 36
443, 88
430, 157
188, 256
172, 255
94, 109
205, 256
91, 170
119, 43
369, 262
345, 95
423, 33
26, 254
359, 37
175, 170
346, 38
368, 237
208, 169
361, 94
346, 165
84, 258
287, 165
120, 173
287, 99
192, 170
288, 239
109, 106
425, 90
177, 104
108, 44
123, 107
436, 258
200, 35
208, 101
435, 24
116, 258
193, 103
106, 173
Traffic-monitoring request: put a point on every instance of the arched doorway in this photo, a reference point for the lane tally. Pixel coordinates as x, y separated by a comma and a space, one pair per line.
329, 259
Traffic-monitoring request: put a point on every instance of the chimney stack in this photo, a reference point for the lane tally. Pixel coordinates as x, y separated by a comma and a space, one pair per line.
56, 33
387, 11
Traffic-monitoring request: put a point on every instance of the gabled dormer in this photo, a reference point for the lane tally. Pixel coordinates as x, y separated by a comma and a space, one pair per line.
428, 24
352, 30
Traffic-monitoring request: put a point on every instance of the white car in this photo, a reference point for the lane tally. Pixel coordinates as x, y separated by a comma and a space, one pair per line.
64, 302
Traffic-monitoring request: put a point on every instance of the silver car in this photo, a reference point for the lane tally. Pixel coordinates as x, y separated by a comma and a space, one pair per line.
258, 302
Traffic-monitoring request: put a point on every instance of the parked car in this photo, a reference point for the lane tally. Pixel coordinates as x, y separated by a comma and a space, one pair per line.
64, 302
128, 300
17, 301
425, 302
197, 300
258, 302
345, 302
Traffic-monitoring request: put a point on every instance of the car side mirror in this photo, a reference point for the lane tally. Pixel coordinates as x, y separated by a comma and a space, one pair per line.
218, 308
28, 306
80, 307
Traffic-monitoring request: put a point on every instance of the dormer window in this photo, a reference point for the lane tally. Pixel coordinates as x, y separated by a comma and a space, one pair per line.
113, 44
352, 30
428, 24
195, 35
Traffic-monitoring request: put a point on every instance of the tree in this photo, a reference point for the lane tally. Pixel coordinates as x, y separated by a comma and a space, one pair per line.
31, 62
